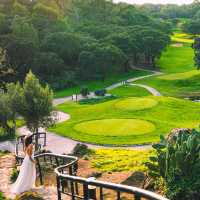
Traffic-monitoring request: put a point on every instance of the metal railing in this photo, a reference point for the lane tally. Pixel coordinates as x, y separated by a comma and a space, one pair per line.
72, 185
42, 141
69, 184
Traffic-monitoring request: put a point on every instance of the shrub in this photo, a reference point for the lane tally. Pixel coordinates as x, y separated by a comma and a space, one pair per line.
14, 175
95, 174
4, 152
84, 91
93, 101
1, 196
29, 196
100, 92
177, 163
5, 136
80, 150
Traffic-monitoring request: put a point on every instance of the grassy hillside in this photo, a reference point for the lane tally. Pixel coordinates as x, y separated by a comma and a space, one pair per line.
177, 59
135, 117
129, 91
127, 120
97, 84
180, 79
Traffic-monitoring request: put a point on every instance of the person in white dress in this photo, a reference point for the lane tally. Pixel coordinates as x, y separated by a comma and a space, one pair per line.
27, 175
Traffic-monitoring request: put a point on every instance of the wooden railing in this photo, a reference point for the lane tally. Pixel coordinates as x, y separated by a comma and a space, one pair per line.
69, 184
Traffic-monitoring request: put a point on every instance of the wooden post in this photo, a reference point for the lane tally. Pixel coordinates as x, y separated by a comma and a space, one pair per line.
45, 139
92, 190
40, 172
58, 187
101, 193
85, 192
137, 197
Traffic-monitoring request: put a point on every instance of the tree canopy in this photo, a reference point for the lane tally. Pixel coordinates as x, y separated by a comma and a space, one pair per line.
62, 41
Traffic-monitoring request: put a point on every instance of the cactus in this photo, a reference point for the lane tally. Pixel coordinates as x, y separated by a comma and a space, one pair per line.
177, 162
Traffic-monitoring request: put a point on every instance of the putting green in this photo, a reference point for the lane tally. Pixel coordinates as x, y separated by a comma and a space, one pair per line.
115, 127
136, 103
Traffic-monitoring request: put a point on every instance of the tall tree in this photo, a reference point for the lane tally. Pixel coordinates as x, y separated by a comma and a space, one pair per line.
9, 102
36, 105
66, 45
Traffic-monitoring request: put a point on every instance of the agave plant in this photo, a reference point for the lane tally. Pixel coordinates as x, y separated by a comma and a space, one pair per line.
177, 162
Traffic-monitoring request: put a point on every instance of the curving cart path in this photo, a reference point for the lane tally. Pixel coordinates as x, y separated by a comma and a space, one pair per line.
153, 91
59, 144
58, 101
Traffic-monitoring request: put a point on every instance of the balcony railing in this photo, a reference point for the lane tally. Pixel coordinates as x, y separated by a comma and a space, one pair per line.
75, 187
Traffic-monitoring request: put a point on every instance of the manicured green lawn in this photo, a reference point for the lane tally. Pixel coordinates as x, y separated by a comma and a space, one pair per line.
136, 117
177, 59
167, 114
115, 127
129, 91
177, 87
180, 76
94, 85
181, 79
133, 104
112, 160
182, 38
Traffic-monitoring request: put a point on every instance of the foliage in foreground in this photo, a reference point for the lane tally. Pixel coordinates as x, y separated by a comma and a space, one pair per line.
9, 102
14, 175
116, 160
177, 163
35, 103
2, 153
1, 196
80, 150
31, 101
29, 196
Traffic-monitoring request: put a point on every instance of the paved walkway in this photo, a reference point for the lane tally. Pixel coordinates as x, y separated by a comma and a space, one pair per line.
59, 144
58, 101
150, 89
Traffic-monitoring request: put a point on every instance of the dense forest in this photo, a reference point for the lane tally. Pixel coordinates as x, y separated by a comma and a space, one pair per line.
65, 41
172, 11
189, 14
